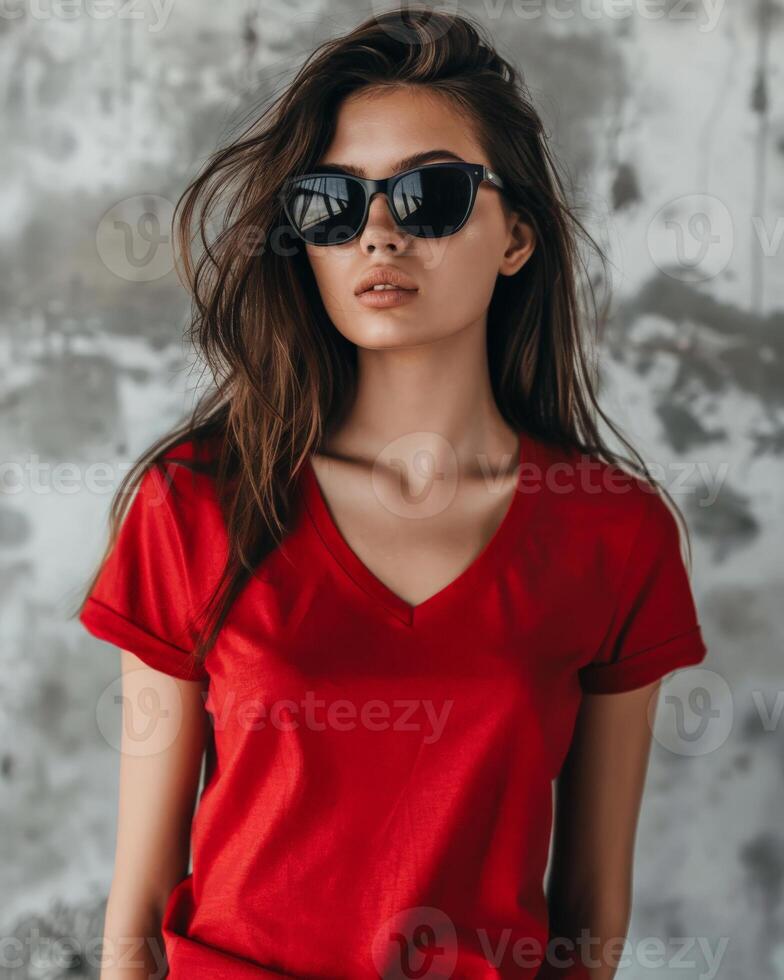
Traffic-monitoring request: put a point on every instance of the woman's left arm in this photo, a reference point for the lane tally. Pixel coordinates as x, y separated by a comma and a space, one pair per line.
598, 795
652, 629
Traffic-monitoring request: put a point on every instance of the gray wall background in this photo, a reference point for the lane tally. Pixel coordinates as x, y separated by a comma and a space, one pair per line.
669, 120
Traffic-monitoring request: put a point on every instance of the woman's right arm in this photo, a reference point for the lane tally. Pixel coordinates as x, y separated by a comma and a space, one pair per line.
164, 732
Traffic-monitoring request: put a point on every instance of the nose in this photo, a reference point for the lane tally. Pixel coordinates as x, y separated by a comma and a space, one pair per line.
381, 230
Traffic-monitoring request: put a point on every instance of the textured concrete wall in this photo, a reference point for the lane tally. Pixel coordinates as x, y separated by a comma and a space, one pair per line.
670, 121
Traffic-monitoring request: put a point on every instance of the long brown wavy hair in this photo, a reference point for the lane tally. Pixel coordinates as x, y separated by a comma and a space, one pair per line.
283, 374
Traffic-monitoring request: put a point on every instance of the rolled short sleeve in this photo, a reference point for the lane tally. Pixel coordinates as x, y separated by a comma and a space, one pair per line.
141, 600
654, 628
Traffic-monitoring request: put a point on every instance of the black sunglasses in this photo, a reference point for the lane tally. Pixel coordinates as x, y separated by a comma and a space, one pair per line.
431, 201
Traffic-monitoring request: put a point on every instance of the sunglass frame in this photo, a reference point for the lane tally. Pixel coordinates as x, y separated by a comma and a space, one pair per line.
477, 172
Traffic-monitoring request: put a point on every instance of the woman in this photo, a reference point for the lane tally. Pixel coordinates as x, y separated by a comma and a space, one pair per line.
388, 573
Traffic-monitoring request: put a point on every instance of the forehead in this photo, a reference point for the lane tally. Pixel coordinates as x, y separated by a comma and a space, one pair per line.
378, 129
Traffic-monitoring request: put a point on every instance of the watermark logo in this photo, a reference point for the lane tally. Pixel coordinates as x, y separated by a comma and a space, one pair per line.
694, 712
150, 714
399, 21
152, 15
416, 943
691, 238
133, 238
424, 487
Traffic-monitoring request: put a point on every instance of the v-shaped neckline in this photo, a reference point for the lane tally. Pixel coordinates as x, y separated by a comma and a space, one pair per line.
483, 563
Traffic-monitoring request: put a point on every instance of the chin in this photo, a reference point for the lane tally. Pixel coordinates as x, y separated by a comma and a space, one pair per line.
384, 333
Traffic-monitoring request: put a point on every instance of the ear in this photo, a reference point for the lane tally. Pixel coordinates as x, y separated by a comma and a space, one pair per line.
521, 242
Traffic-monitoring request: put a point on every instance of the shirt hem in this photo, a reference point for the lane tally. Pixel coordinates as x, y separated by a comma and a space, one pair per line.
645, 666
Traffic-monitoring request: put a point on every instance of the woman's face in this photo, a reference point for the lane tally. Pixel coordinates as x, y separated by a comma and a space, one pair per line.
455, 275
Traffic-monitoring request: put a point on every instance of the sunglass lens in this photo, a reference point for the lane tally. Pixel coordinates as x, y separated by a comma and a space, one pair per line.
325, 210
433, 202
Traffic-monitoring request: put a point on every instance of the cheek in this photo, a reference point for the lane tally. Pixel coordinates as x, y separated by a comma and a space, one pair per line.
463, 268
331, 270
335, 278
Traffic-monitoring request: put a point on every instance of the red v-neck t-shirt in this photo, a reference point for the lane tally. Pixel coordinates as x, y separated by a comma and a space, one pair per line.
378, 794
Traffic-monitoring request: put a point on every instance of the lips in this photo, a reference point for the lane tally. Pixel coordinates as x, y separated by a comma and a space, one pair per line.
385, 275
